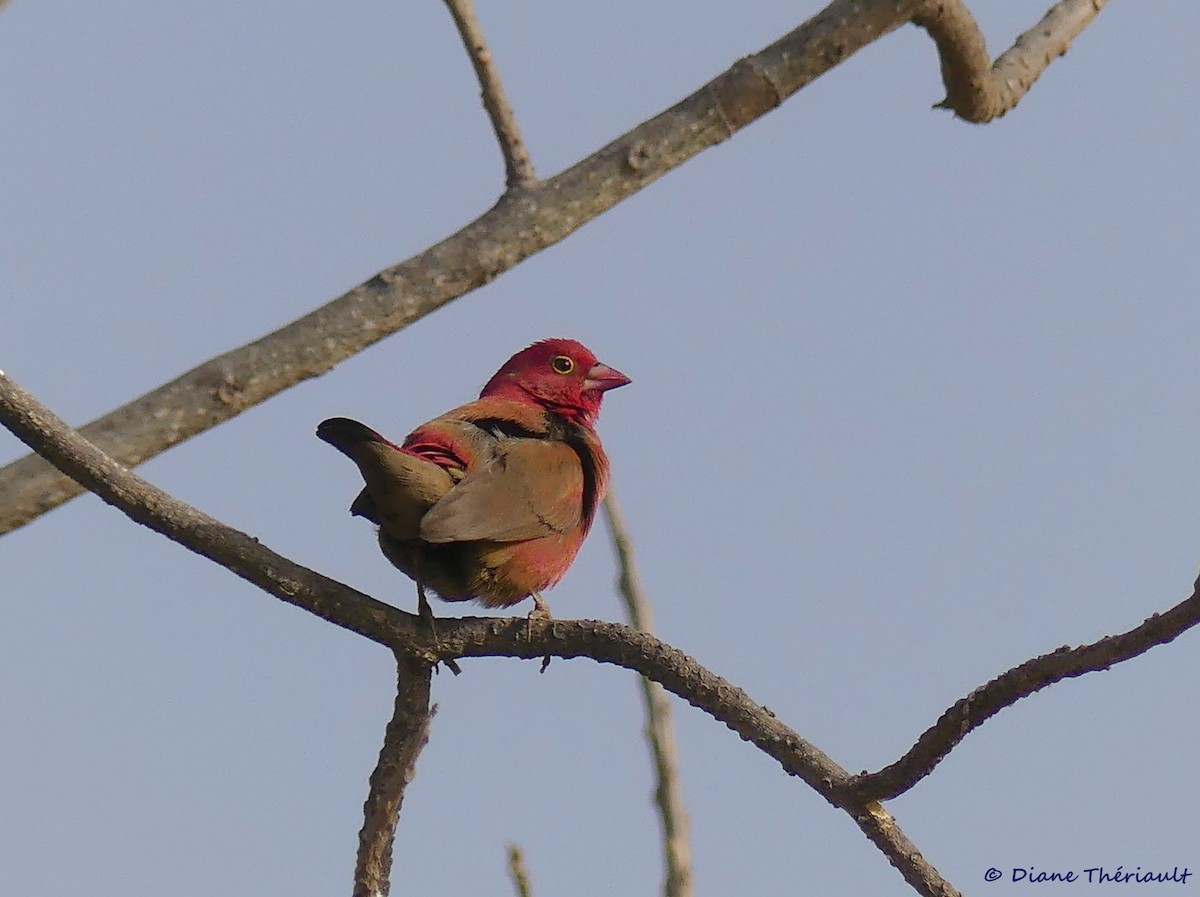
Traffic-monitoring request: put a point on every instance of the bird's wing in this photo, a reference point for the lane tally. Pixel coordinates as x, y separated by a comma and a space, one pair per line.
528, 488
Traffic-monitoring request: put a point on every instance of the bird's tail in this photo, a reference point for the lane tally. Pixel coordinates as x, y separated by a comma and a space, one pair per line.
400, 486
344, 434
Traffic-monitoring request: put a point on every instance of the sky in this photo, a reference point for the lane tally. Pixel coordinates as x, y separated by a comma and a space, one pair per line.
914, 400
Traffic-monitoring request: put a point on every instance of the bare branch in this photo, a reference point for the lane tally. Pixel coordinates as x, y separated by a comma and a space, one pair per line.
396, 629
518, 226
457, 638
517, 637
517, 871
659, 731
979, 91
881, 829
601, 642
1020, 682
148, 505
530, 217
518, 167
406, 734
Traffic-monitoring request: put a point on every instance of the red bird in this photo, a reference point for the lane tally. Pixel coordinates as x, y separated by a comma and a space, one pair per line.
491, 500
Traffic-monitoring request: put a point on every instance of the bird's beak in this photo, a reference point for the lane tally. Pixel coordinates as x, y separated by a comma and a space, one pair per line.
601, 378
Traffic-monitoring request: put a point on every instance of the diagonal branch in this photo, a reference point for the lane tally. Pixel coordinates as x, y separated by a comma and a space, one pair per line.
979, 91
601, 642
659, 732
518, 167
1020, 682
518, 226
237, 552
402, 632
406, 735
881, 830
468, 637
544, 213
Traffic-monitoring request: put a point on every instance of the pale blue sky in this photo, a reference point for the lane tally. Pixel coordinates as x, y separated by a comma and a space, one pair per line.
913, 401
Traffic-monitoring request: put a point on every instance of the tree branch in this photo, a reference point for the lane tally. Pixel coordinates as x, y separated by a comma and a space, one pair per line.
541, 215
406, 734
601, 642
668, 794
971, 712
518, 167
400, 631
394, 628
457, 638
979, 91
519, 225
545, 213
532, 217
517, 871
881, 830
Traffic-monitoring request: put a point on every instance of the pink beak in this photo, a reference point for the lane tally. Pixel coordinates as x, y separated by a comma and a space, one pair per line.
601, 378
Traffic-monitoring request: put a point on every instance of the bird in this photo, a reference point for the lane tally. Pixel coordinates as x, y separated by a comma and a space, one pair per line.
492, 500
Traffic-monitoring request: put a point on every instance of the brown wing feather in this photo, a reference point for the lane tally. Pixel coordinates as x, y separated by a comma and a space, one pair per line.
529, 488
401, 487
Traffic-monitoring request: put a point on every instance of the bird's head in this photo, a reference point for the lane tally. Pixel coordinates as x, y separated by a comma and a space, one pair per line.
561, 375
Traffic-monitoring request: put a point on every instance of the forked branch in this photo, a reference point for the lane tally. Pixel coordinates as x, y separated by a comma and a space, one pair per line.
532, 216
601, 642
978, 90
468, 637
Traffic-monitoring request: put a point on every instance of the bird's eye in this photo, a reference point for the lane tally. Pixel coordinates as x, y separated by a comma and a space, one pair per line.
562, 364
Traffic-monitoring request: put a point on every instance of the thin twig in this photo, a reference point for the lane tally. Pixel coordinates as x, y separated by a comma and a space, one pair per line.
979, 91
406, 734
517, 871
668, 794
518, 226
518, 167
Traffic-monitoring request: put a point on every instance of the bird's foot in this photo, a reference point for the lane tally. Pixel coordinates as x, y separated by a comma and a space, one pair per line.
425, 612
540, 612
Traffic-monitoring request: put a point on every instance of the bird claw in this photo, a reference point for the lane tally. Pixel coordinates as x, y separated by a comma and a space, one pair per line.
540, 612
425, 612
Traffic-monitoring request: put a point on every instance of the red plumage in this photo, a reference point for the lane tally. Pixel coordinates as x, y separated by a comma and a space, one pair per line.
492, 499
